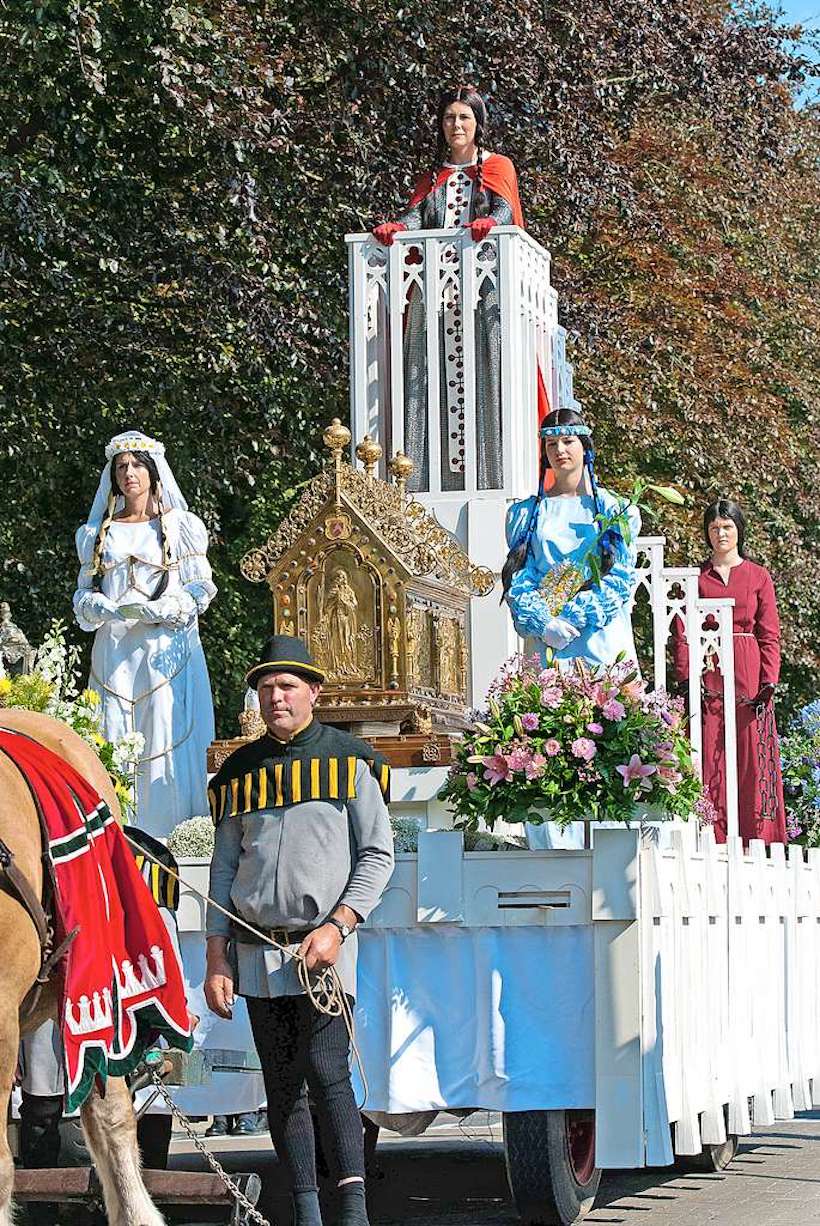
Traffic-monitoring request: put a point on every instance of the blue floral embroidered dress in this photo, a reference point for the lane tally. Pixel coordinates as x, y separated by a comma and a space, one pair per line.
565, 531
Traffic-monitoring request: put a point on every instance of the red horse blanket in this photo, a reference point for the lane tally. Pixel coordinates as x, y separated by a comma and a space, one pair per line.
121, 982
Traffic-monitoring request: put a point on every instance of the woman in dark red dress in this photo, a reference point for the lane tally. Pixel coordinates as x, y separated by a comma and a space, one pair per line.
729, 574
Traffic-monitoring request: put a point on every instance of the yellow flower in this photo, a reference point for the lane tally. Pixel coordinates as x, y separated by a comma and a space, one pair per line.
5, 687
98, 740
90, 697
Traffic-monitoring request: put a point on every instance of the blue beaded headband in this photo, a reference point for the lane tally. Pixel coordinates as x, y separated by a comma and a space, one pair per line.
564, 431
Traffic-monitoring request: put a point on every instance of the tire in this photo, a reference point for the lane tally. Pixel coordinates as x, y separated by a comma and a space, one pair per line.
711, 1157
551, 1169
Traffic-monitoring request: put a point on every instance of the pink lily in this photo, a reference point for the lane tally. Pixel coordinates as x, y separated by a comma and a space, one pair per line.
496, 768
636, 769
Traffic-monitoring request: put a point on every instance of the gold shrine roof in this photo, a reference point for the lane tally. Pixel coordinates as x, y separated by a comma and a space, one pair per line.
412, 533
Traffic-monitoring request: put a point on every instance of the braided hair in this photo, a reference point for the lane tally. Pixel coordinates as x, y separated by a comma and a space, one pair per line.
517, 555
147, 461
469, 95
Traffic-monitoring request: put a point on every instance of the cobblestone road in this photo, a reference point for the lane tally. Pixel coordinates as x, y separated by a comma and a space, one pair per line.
454, 1176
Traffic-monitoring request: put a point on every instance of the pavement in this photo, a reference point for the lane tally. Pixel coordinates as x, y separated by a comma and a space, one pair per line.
453, 1175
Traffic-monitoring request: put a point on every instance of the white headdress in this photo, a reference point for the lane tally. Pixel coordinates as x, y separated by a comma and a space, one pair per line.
133, 440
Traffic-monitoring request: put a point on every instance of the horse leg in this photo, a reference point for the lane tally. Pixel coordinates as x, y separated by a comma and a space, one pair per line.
111, 1133
9, 1042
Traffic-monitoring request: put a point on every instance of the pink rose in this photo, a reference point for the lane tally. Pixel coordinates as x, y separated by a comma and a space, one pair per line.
613, 709
535, 766
529, 721
551, 697
552, 747
584, 748
595, 729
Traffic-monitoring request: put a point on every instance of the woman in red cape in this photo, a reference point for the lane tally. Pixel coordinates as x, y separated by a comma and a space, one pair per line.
729, 574
473, 188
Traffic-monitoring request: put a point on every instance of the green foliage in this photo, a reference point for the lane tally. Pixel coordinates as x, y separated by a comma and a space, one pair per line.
800, 754
176, 181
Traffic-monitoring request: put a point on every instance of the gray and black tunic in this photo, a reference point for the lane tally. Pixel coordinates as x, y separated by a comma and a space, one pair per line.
301, 828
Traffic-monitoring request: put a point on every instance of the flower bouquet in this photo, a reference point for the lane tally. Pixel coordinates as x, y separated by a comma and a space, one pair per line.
567, 745
566, 579
800, 758
53, 689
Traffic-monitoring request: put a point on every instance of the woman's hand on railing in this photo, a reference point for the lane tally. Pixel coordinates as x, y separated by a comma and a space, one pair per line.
384, 233
480, 228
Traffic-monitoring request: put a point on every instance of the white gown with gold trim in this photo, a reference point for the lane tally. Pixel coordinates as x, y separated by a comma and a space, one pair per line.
151, 675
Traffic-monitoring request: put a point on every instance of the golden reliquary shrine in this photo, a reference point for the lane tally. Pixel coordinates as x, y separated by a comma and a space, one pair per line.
380, 592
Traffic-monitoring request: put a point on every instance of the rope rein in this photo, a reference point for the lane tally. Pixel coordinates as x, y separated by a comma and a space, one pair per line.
324, 989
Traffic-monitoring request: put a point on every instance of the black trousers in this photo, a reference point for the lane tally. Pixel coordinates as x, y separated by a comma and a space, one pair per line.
300, 1049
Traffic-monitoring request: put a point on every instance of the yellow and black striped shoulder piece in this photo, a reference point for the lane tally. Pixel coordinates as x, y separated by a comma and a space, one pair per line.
164, 888
258, 777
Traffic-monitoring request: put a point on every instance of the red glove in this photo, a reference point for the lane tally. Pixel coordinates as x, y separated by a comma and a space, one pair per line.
481, 227
384, 233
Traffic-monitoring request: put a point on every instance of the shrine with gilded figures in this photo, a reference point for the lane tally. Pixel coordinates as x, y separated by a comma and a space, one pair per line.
379, 590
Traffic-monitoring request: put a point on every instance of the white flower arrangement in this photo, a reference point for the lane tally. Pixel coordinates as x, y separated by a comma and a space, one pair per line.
53, 689
192, 839
405, 833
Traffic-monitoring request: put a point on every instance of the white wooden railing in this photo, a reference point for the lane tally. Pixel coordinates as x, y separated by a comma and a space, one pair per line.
433, 263
672, 591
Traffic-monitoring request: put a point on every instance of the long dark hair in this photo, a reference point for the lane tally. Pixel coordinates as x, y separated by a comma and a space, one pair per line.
147, 461
724, 508
470, 96
517, 555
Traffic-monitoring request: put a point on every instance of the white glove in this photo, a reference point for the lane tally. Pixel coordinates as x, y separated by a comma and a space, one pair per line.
173, 611
95, 608
558, 633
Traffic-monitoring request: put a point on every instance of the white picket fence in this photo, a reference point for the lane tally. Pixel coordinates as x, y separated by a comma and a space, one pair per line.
729, 967
705, 981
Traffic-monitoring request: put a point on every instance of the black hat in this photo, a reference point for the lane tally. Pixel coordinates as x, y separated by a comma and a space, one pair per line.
285, 654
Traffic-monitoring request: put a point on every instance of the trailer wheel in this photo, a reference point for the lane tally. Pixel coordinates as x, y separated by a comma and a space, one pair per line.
551, 1167
711, 1157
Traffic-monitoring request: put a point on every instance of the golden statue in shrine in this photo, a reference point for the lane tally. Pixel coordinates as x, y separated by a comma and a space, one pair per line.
379, 591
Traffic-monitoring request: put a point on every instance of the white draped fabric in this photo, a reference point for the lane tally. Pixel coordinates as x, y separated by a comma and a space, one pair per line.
495, 1018
498, 1018
147, 663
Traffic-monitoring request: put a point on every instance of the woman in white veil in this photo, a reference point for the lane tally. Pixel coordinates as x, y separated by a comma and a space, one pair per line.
144, 580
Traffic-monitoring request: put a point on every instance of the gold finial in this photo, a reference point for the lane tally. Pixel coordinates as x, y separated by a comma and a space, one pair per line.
369, 452
401, 467
336, 437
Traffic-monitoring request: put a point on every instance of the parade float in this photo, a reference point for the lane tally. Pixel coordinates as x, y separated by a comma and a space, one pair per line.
636, 996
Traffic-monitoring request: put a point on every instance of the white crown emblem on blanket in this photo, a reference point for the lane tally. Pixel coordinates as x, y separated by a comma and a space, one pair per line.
92, 1015
96, 1013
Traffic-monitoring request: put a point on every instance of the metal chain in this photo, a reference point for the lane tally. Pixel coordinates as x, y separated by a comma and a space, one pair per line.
220, 1172
767, 760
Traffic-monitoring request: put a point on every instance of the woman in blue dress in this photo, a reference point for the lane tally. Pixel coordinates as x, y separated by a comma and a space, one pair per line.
568, 583
569, 578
